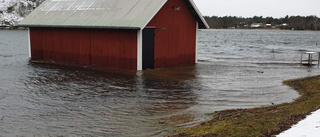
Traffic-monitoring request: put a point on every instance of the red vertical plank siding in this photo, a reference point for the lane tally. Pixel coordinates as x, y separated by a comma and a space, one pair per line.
70, 45
36, 43
105, 48
48, 45
116, 48
175, 42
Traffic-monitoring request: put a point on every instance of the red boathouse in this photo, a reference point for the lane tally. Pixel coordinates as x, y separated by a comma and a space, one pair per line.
125, 34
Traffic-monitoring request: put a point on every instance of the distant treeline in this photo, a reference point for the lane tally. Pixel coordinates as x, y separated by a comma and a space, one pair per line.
288, 22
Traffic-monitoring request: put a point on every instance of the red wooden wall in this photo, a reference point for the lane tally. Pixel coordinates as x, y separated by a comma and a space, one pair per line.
100, 47
175, 43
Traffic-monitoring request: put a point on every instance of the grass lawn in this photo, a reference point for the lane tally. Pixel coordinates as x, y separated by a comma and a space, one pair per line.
264, 121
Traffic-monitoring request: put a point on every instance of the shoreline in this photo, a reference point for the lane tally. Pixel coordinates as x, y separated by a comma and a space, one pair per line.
263, 121
267, 29
12, 28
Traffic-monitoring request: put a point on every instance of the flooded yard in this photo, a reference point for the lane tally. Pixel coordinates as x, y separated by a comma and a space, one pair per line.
236, 69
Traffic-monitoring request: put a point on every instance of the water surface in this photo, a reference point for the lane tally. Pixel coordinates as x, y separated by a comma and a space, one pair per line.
236, 69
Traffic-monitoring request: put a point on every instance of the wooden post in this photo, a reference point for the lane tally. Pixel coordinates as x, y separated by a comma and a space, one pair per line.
301, 59
310, 59
318, 59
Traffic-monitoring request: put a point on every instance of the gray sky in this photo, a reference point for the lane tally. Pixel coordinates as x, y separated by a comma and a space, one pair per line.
266, 8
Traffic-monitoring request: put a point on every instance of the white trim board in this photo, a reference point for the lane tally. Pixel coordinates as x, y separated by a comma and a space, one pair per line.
197, 29
139, 49
29, 43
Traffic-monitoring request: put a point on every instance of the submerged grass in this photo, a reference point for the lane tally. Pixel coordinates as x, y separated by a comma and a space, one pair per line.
264, 121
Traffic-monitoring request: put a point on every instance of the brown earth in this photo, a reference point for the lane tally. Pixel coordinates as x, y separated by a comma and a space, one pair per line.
264, 121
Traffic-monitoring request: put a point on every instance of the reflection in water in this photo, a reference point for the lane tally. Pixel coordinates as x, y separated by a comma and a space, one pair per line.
104, 103
236, 70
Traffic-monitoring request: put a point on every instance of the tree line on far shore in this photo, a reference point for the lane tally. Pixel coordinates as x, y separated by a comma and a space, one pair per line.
288, 22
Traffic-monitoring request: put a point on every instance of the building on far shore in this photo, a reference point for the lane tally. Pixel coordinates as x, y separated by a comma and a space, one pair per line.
124, 34
268, 26
257, 25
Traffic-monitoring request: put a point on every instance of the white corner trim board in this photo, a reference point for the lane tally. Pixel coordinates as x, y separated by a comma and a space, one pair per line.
29, 42
139, 49
197, 29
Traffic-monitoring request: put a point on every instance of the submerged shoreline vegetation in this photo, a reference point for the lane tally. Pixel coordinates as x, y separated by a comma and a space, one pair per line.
264, 121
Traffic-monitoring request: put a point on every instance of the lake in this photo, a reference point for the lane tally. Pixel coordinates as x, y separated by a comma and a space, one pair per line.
236, 69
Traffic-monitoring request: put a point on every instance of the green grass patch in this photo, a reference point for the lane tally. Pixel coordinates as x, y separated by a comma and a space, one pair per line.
264, 121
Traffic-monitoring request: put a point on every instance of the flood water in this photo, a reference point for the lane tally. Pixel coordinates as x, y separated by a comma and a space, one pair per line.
236, 69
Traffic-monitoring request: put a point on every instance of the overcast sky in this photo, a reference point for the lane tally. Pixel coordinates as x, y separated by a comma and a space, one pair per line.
266, 8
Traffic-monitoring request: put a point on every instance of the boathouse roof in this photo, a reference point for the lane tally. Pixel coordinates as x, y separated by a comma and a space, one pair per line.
117, 14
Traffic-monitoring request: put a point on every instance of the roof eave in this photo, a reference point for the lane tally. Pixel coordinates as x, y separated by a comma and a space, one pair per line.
75, 27
197, 14
157, 10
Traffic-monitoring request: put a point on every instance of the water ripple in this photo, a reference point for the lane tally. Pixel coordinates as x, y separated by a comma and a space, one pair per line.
236, 69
